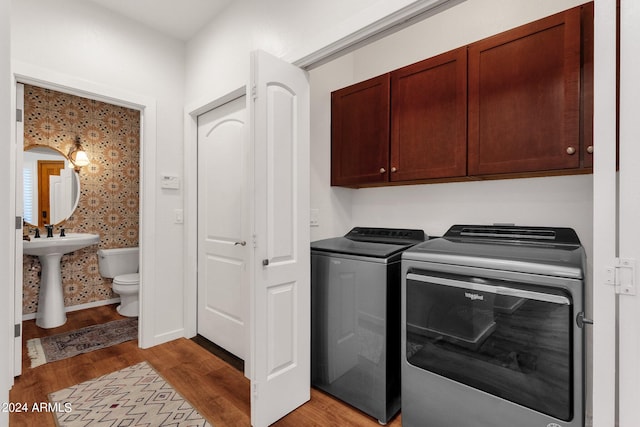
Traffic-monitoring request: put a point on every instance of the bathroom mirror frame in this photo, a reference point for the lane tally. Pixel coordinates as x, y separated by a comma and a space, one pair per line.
67, 197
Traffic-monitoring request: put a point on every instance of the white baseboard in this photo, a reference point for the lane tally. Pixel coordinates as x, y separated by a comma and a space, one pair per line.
71, 308
168, 336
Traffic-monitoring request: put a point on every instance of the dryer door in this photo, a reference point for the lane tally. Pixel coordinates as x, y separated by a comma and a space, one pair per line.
511, 340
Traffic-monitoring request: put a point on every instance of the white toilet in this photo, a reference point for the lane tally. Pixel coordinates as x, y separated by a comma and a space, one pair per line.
121, 265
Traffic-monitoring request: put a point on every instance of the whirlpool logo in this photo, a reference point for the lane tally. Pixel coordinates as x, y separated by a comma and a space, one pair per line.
553, 425
474, 297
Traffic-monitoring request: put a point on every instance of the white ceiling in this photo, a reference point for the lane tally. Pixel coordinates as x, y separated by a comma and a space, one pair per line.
180, 19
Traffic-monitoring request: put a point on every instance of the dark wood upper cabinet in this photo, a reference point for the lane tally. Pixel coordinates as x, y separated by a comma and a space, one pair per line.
360, 133
429, 118
517, 104
524, 98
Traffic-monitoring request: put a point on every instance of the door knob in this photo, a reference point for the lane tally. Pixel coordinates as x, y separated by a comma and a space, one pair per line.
571, 150
241, 243
590, 149
382, 170
393, 170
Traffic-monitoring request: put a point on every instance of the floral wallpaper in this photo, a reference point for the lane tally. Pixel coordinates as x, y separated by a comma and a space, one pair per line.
109, 186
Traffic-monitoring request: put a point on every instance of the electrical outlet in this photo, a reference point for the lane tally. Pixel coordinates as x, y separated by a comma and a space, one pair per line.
179, 216
314, 218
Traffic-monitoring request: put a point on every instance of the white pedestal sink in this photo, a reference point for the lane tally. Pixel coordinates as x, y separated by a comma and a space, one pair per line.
50, 250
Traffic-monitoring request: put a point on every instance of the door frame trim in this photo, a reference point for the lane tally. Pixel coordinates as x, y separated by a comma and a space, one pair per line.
373, 24
604, 351
29, 74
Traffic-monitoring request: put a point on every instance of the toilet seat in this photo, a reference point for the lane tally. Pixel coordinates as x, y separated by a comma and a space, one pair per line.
127, 279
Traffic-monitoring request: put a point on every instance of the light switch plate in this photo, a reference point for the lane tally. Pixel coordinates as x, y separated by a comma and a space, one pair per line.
170, 182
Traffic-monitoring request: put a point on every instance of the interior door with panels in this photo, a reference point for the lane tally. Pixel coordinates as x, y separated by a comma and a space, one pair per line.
46, 170
360, 133
429, 118
223, 226
524, 98
281, 289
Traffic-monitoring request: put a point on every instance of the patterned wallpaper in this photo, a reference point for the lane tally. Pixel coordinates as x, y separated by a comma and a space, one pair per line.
109, 186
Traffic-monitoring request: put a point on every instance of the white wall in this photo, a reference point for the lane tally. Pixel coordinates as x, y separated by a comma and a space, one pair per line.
217, 57
85, 43
6, 215
334, 205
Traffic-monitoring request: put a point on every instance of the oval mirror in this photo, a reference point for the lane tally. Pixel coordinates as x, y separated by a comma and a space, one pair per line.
51, 188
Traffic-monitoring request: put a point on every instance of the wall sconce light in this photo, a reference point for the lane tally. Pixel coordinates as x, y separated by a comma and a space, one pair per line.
78, 156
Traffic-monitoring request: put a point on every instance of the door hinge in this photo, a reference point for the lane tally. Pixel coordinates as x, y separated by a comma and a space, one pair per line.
254, 92
254, 389
18, 223
18, 115
622, 276
17, 331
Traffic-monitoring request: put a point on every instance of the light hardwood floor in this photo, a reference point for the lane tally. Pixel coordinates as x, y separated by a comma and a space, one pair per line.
216, 389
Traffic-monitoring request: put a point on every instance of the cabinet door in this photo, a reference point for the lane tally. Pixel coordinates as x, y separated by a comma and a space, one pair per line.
524, 98
360, 133
429, 118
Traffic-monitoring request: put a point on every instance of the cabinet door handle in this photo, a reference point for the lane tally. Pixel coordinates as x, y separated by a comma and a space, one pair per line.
393, 169
382, 170
242, 243
590, 149
571, 151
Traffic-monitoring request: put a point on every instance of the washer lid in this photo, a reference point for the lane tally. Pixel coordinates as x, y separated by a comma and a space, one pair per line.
520, 249
371, 242
343, 245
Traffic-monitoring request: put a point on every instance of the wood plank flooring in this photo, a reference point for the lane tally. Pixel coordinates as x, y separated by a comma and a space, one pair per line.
216, 389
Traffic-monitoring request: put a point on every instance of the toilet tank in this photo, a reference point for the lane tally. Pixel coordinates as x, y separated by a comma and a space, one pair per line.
114, 262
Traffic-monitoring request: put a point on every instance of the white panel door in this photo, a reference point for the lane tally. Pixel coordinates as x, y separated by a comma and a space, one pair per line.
280, 291
223, 227
629, 211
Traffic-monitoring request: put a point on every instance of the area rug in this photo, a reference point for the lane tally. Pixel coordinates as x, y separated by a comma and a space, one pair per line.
133, 396
72, 343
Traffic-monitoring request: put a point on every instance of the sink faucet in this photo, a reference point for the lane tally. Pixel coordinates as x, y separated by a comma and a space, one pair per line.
49, 230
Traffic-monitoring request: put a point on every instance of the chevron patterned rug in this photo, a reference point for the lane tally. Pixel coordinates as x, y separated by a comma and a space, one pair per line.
133, 396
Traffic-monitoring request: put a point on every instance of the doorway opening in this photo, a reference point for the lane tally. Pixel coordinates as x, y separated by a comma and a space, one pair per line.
102, 198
